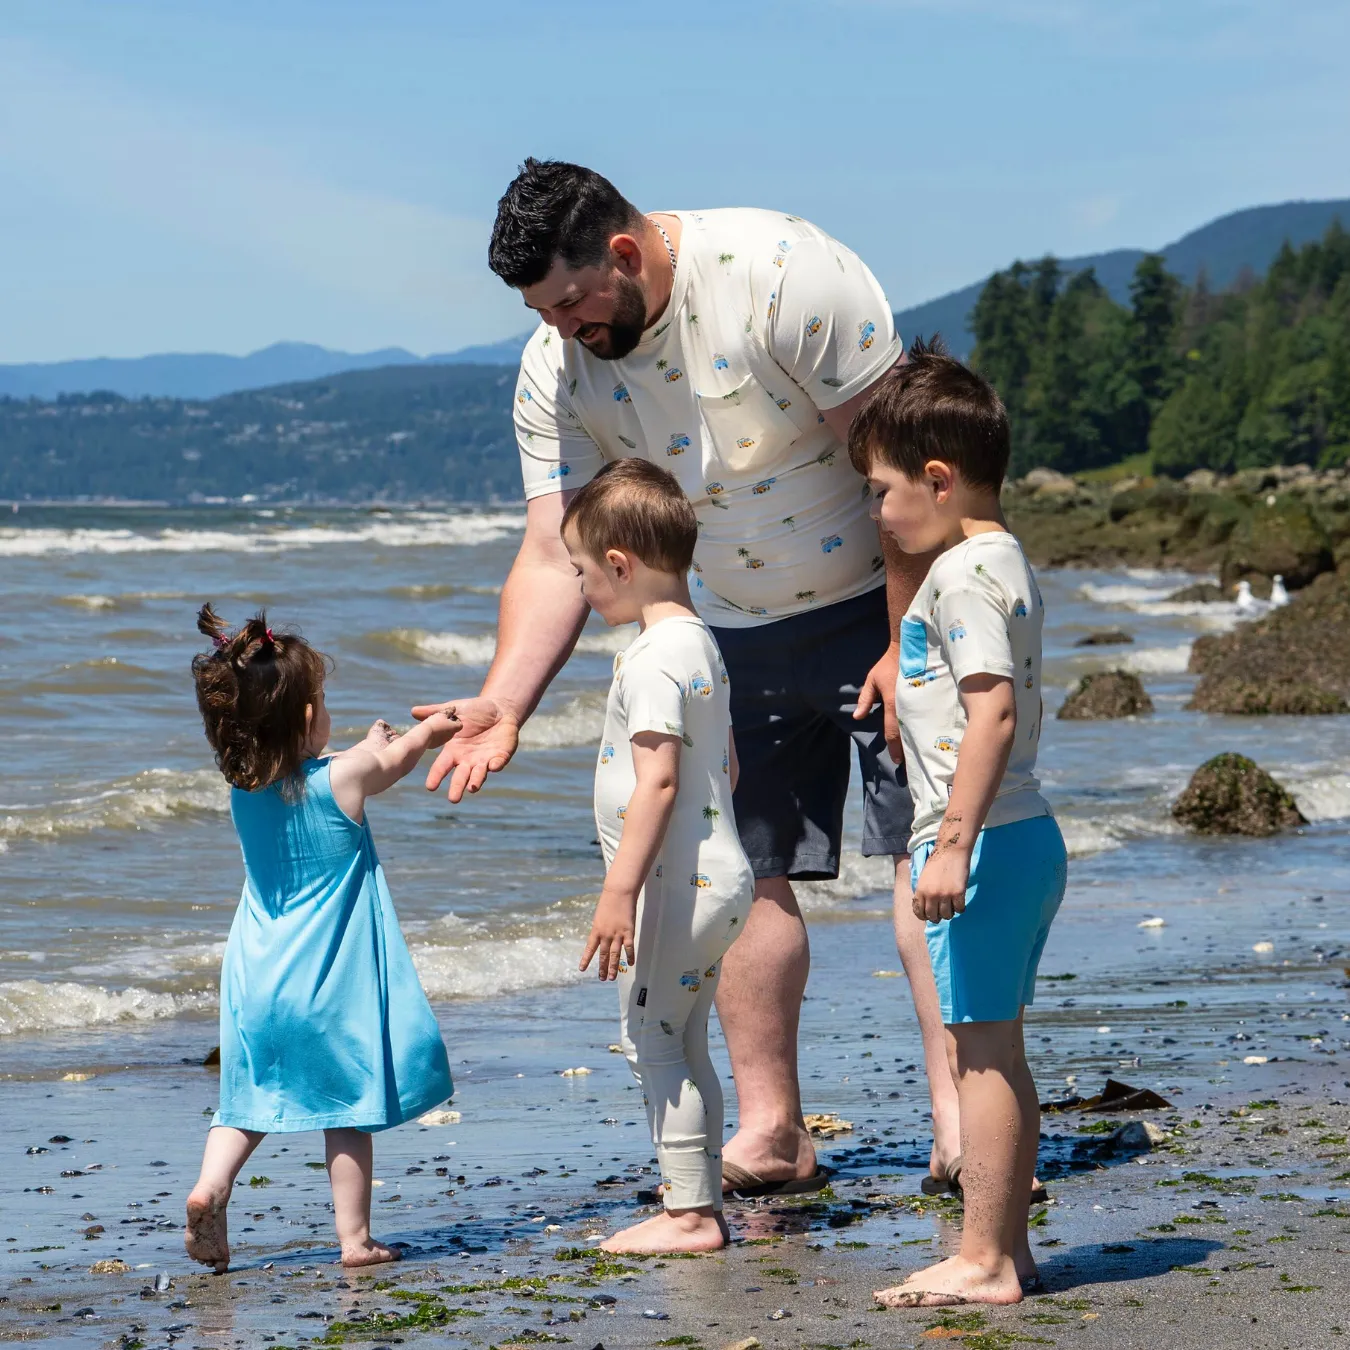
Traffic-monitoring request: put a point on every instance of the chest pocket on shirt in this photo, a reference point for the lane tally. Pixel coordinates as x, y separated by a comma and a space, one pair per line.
913, 648
749, 430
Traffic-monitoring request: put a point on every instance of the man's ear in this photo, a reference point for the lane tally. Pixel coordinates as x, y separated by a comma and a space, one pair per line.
621, 563
627, 254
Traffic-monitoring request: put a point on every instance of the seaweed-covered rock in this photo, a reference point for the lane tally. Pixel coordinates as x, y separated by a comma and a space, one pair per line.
1198, 592
1106, 693
1104, 637
1231, 794
1294, 660
1285, 538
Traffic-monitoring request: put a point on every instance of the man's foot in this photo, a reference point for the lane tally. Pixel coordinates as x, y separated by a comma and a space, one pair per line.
786, 1156
206, 1236
686, 1230
368, 1253
952, 1282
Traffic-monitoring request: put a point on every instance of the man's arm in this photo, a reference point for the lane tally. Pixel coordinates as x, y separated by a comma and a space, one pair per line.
539, 619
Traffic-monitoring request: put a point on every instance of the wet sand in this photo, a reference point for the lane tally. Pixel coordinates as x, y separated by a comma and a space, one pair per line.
1242, 1213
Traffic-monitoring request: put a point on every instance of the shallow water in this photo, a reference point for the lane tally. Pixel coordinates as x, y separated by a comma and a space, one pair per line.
119, 872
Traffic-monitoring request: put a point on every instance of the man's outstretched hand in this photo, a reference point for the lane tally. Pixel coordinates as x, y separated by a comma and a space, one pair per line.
485, 745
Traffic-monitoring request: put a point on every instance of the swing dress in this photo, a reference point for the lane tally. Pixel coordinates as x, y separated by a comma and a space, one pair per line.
323, 1021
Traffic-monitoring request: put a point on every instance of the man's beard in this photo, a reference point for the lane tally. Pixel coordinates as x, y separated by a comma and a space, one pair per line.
613, 341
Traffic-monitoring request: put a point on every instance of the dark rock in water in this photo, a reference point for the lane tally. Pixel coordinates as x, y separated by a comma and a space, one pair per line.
212, 1059
1199, 592
1107, 693
1106, 637
1284, 539
1294, 660
1231, 794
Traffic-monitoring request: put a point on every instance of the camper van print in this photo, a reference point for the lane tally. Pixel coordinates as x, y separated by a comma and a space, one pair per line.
783, 403
606, 753
700, 881
957, 631
679, 443
1020, 609
830, 543
867, 334
560, 471
726, 762
945, 744
701, 685
621, 393
813, 325
692, 981
763, 486
720, 362
524, 396
744, 442
622, 812
673, 374
714, 489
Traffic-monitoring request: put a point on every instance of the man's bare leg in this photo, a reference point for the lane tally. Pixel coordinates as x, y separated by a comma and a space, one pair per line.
759, 1003
913, 948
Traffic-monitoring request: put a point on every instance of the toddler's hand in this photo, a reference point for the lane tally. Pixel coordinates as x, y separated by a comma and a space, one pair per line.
941, 892
611, 934
380, 734
441, 726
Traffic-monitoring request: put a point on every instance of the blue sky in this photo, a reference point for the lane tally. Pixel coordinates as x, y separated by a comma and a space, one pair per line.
217, 176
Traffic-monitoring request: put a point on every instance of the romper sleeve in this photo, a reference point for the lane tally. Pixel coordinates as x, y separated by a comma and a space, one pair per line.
831, 327
972, 624
653, 696
556, 451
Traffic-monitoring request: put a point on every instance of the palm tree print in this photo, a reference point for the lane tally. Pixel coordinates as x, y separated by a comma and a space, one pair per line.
725, 257
662, 363
711, 813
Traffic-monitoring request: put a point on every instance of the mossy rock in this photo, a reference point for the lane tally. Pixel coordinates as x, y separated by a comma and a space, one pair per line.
1104, 637
1105, 694
1231, 794
1198, 593
1239, 697
1284, 539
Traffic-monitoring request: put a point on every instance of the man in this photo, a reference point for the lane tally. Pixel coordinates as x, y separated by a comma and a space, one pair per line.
732, 347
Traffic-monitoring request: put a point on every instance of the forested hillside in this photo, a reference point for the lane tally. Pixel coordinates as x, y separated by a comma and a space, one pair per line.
1254, 376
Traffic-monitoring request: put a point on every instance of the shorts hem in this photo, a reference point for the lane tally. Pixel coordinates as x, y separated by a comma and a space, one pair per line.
893, 845
801, 867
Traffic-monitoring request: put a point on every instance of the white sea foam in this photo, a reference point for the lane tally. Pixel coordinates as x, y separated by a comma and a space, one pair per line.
1158, 660
36, 1005
1101, 833
1322, 793
478, 649
127, 804
418, 529
858, 876
94, 602
169, 961
579, 722
479, 969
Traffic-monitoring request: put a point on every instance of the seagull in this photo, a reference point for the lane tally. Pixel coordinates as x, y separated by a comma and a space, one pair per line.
1278, 595
1246, 602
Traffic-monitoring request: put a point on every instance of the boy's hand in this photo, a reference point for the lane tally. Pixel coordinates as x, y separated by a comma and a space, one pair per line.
941, 892
611, 933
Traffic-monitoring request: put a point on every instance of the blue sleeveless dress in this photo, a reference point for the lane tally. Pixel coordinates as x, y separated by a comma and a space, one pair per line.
323, 1022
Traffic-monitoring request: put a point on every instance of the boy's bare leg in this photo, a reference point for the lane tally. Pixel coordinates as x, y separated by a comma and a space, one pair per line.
206, 1236
998, 1144
350, 1163
912, 945
674, 1230
759, 1003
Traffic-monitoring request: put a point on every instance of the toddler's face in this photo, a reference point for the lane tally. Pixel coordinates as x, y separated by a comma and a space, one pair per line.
908, 508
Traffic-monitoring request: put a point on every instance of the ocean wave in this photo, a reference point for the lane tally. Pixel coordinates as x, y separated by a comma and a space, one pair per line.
36, 1005
128, 804
1322, 794
1100, 834
413, 530
481, 969
90, 602
1158, 660
478, 649
858, 876
579, 722
439, 590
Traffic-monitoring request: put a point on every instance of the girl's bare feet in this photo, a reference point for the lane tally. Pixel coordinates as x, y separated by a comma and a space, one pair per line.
954, 1281
206, 1237
369, 1253
680, 1230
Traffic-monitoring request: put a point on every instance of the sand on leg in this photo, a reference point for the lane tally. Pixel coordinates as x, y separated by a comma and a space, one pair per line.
759, 1003
999, 1134
351, 1156
206, 1236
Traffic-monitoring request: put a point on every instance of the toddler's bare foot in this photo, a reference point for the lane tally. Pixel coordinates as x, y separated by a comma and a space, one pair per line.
206, 1237
951, 1282
683, 1230
368, 1253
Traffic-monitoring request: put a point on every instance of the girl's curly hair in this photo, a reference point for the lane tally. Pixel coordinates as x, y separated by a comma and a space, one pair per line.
253, 689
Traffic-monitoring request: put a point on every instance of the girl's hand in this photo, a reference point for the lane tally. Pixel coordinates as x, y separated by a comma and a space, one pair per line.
441, 726
611, 933
380, 734
941, 892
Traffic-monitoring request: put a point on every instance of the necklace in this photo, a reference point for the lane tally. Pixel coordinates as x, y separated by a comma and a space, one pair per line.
670, 248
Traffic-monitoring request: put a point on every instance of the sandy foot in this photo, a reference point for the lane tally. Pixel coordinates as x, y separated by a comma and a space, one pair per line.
951, 1282
206, 1237
684, 1232
369, 1253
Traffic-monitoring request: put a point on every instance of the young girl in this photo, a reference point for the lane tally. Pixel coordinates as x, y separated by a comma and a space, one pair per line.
323, 1023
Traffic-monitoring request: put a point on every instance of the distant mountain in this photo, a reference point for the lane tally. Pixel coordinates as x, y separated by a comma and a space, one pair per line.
1224, 247
1247, 239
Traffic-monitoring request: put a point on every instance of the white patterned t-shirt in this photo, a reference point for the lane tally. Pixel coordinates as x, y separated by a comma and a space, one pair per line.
978, 612
770, 322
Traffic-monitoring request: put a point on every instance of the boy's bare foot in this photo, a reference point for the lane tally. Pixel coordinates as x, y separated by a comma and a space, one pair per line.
954, 1281
369, 1253
206, 1237
682, 1230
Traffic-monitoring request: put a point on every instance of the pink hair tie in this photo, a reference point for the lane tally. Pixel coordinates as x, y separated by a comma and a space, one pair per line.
220, 642
270, 640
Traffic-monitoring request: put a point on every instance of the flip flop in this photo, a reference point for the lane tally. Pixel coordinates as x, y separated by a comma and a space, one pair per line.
746, 1185
918, 1298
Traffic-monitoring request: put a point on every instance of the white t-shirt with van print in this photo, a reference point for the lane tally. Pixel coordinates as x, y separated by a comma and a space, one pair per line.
770, 322
978, 611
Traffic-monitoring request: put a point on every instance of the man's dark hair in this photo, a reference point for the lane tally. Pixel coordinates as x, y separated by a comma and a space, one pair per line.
638, 507
933, 407
555, 210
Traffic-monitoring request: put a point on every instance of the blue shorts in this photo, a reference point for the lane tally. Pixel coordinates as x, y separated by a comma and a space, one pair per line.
985, 959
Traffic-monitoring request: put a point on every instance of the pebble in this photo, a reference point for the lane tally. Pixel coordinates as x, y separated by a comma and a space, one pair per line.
779, 1315
440, 1118
113, 1267
1154, 923
653, 1316
1263, 947
579, 1072
1256, 1059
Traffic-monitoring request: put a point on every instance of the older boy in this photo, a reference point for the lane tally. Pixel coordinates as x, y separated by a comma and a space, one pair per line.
989, 864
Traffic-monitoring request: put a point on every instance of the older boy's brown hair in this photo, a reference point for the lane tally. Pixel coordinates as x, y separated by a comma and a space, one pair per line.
933, 407
252, 690
639, 508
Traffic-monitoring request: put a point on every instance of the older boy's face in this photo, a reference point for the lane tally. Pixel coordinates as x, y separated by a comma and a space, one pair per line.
598, 583
907, 508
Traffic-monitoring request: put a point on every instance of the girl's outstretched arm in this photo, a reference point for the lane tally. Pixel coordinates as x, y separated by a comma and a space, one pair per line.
370, 768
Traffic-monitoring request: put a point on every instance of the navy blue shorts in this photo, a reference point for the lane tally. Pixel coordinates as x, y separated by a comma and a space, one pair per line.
794, 685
